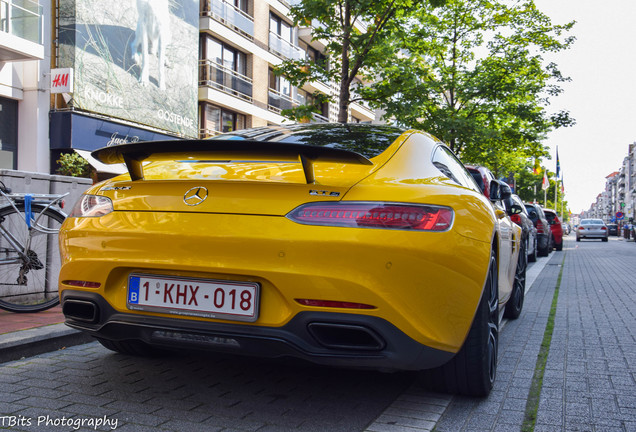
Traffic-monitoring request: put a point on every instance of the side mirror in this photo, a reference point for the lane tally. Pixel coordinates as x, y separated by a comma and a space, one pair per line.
505, 191
495, 190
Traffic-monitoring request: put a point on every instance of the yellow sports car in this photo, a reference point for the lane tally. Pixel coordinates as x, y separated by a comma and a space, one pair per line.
351, 245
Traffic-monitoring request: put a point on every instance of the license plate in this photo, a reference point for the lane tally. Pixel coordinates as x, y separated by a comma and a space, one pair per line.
194, 297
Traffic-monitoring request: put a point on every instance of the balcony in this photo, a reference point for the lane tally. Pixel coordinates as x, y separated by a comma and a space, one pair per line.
21, 30
284, 49
212, 74
230, 16
277, 101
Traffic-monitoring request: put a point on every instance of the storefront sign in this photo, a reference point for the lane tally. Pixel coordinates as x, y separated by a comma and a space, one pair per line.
62, 80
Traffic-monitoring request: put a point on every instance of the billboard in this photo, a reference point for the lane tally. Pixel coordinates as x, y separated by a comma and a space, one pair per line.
133, 59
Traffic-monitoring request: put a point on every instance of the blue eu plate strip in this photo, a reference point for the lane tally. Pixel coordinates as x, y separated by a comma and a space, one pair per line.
133, 290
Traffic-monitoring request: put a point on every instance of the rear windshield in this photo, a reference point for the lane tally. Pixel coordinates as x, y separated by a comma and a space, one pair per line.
367, 140
592, 222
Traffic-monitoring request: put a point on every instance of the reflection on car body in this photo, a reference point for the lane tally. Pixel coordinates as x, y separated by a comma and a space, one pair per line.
347, 245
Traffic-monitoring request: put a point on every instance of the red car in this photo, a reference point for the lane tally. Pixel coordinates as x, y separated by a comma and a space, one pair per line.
482, 176
556, 227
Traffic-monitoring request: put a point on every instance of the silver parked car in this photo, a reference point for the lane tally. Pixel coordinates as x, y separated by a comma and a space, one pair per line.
592, 228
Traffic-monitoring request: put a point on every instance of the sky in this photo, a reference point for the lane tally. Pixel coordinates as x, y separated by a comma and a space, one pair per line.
601, 96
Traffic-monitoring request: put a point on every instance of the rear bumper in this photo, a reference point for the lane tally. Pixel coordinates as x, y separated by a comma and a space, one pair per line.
595, 235
336, 339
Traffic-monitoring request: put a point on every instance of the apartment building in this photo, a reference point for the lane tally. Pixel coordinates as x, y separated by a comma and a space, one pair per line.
209, 71
24, 103
242, 41
619, 196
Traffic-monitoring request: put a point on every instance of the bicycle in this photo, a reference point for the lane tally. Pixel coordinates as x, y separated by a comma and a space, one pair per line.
29, 251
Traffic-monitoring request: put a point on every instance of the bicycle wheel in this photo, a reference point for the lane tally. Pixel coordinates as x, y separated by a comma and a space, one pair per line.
28, 282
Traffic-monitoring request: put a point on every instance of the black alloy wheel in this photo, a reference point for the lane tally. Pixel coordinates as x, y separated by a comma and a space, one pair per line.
515, 303
473, 370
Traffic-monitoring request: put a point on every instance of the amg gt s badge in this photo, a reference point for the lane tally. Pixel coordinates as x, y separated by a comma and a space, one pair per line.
323, 193
195, 196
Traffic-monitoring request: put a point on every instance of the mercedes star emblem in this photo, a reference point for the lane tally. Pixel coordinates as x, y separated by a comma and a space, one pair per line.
195, 196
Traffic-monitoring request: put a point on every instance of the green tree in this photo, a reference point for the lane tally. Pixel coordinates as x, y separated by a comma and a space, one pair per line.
358, 37
472, 73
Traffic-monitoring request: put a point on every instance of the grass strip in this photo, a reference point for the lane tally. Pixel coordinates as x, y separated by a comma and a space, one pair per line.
532, 406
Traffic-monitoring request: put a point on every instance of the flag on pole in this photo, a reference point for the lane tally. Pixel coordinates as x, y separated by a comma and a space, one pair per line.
558, 165
562, 186
545, 183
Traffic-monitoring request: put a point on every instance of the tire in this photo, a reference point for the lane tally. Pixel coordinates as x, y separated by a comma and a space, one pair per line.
30, 286
515, 303
604, 239
131, 347
559, 247
472, 371
578, 239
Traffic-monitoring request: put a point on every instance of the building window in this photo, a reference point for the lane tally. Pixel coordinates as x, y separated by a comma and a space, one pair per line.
8, 133
281, 28
313, 54
282, 39
225, 55
224, 68
217, 120
279, 84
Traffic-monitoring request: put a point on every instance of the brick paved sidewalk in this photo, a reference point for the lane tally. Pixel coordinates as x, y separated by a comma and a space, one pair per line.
11, 322
590, 376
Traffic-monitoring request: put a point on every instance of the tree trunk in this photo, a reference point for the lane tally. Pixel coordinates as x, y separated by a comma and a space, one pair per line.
343, 97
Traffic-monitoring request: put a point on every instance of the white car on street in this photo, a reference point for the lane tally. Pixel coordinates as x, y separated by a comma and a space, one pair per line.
592, 228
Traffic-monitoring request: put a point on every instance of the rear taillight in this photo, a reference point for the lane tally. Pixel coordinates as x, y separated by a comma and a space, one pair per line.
375, 215
603, 228
581, 228
540, 227
516, 219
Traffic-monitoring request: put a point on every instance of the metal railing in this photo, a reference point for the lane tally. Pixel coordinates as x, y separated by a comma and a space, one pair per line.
207, 133
229, 15
22, 18
284, 48
215, 75
277, 101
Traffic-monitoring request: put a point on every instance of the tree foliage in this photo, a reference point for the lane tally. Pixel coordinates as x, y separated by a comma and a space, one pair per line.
472, 73
358, 37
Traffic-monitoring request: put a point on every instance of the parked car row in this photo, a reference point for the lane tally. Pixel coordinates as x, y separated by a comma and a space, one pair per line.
348, 245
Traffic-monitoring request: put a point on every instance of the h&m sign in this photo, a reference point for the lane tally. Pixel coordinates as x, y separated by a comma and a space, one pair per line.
62, 80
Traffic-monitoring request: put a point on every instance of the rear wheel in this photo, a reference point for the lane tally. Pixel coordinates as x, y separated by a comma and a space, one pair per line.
515, 303
472, 371
559, 247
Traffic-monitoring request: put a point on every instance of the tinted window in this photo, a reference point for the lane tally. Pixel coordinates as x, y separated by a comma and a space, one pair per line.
478, 178
532, 212
451, 167
366, 140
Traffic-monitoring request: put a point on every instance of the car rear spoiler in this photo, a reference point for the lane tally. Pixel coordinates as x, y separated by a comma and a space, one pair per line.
133, 155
